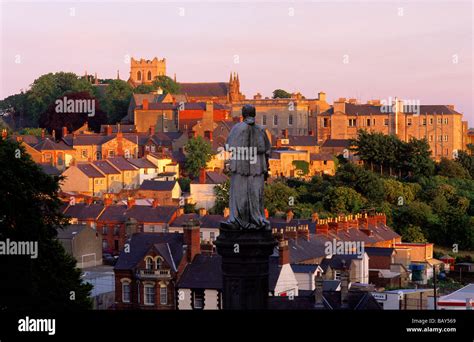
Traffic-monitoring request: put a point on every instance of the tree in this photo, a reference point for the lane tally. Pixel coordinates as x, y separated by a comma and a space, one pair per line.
279, 197
47, 88
30, 211
451, 169
143, 89
467, 161
413, 234
13, 110
51, 119
198, 154
281, 94
343, 200
117, 100
167, 84
222, 197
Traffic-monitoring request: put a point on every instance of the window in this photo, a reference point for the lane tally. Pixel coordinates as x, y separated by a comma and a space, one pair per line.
139, 76
212, 236
153, 148
200, 235
84, 153
440, 121
163, 295
337, 275
409, 122
290, 119
126, 292
352, 122
325, 122
116, 231
96, 181
149, 76
105, 244
149, 263
198, 300
446, 121
149, 294
368, 122
105, 230
111, 153
431, 138
431, 121
424, 122
445, 138
159, 263
275, 120
385, 122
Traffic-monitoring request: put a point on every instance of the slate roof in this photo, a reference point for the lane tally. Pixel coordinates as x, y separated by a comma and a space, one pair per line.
302, 140
212, 177
379, 251
50, 145
336, 143
181, 220
368, 109
121, 163
90, 171
49, 169
123, 128
218, 89
105, 167
142, 163
157, 185
211, 221
140, 244
87, 139
203, 273
304, 268
339, 261
142, 213
83, 211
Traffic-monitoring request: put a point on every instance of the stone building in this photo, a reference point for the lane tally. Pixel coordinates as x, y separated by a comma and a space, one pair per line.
145, 71
441, 125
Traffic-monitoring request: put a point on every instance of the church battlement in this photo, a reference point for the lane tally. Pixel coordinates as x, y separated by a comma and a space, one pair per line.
145, 71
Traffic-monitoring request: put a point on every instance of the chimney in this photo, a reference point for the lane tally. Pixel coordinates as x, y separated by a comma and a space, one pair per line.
151, 130
266, 213
108, 130
226, 212
107, 201
290, 233
318, 291
283, 253
64, 133
88, 200
54, 135
145, 104
202, 212
4, 133
314, 217
192, 239
285, 133
202, 176
42, 133
130, 202
289, 216
155, 203
322, 96
344, 285
257, 96
322, 227
303, 232
180, 212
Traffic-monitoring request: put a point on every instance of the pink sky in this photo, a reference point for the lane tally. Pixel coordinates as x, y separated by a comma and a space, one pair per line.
409, 56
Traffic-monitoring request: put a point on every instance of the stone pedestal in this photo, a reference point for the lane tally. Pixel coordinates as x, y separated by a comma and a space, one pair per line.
245, 256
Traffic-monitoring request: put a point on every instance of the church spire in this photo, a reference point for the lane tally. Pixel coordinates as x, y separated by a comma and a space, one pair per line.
118, 74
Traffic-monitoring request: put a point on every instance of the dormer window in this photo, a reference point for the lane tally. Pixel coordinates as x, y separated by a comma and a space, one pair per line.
159, 263
149, 263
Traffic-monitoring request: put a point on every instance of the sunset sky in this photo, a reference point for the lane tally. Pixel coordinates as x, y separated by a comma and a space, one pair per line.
410, 56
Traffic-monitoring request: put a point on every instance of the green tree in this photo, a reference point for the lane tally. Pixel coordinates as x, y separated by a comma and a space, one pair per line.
343, 200
198, 154
281, 94
451, 169
167, 84
47, 88
47, 282
143, 89
222, 197
117, 100
413, 234
278, 197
